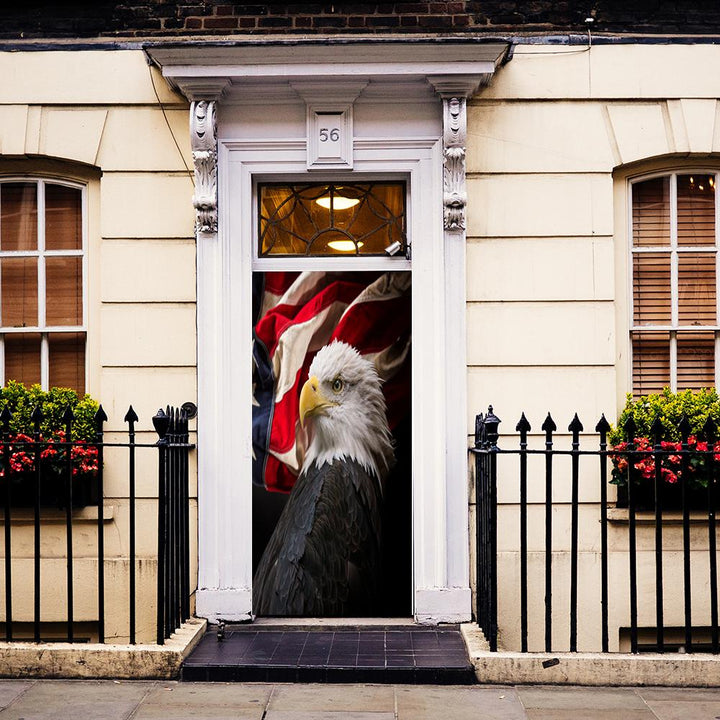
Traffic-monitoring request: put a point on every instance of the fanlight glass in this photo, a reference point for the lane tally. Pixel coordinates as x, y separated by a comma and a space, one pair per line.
331, 219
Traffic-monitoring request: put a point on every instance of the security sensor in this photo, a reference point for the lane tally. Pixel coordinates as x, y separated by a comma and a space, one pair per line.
393, 248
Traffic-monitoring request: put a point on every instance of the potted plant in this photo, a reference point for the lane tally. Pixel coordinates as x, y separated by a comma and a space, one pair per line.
638, 465
58, 456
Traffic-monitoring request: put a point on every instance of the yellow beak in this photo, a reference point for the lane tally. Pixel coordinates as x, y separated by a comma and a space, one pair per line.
312, 401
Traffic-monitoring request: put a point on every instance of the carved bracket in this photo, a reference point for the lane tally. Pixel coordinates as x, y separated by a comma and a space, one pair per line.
203, 138
454, 140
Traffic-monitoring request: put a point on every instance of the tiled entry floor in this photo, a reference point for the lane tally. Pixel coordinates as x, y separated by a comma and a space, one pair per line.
389, 654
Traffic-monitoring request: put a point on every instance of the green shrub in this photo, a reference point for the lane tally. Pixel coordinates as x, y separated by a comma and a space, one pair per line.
669, 407
21, 402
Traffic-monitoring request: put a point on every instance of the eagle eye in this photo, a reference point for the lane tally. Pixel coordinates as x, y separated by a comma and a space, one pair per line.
337, 385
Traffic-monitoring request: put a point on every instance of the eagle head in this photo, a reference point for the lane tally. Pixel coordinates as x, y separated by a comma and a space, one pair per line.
343, 401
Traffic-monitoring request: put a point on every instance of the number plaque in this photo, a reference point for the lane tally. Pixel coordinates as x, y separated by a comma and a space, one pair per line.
329, 137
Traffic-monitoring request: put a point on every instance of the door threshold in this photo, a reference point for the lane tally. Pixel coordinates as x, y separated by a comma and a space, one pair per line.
335, 622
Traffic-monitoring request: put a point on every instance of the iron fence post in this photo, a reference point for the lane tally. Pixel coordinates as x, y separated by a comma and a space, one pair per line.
161, 421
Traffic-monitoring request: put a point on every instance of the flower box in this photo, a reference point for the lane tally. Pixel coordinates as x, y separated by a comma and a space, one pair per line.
53, 490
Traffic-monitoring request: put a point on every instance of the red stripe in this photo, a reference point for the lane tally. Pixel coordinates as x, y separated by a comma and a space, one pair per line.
276, 321
277, 476
373, 326
278, 283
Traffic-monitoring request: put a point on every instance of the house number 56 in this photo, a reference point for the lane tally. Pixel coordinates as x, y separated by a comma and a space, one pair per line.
333, 135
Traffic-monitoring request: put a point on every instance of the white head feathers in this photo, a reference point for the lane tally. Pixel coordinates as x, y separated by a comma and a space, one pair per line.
343, 396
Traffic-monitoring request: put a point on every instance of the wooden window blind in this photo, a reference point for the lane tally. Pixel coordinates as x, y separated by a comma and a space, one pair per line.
42, 326
674, 329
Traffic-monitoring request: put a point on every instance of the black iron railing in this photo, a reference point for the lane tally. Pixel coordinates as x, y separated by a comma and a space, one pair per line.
47, 475
654, 477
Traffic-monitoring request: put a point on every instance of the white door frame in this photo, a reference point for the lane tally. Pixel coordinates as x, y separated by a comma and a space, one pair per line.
224, 370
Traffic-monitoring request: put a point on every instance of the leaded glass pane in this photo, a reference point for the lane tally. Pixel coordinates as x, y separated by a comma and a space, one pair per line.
332, 219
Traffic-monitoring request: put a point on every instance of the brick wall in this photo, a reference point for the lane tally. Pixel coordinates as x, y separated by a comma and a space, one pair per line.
135, 18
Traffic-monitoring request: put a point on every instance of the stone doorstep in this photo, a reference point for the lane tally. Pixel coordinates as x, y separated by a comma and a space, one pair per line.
609, 669
93, 660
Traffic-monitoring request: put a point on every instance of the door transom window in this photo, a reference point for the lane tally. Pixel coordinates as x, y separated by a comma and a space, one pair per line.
329, 219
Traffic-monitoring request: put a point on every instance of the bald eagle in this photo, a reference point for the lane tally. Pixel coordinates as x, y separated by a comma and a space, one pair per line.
323, 558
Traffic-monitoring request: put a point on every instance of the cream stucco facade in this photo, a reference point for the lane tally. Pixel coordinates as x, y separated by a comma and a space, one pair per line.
105, 129
551, 145
551, 142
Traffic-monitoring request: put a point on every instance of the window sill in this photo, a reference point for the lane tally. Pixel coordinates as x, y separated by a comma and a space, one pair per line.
26, 516
621, 516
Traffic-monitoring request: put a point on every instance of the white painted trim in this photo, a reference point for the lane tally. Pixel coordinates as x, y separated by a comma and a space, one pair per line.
442, 605
225, 263
216, 605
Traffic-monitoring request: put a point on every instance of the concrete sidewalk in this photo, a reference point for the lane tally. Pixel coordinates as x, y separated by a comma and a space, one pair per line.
170, 700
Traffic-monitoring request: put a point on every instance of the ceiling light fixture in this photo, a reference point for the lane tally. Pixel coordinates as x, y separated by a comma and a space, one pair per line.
344, 245
335, 200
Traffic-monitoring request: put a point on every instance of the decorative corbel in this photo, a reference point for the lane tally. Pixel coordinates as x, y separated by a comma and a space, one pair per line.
454, 139
203, 137
454, 91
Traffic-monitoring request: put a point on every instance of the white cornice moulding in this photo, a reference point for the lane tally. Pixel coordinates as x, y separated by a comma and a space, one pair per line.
333, 92
200, 69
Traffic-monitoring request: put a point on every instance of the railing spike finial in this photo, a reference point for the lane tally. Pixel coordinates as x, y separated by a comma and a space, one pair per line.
6, 416
68, 416
100, 417
37, 415
575, 425
523, 425
160, 423
630, 428
549, 425
710, 429
130, 415
658, 430
684, 427
603, 425
490, 426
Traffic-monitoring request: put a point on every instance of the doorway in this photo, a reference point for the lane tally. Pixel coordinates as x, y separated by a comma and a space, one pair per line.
322, 546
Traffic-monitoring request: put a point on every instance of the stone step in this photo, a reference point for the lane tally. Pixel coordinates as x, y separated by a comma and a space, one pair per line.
315, 652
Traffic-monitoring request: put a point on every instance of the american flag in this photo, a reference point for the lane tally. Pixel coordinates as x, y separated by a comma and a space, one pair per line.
295, 315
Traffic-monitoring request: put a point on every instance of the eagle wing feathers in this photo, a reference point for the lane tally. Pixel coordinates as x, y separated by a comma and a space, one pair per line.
323, 556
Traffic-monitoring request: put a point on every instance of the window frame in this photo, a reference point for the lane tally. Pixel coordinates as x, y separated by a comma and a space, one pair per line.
40, 181
672, 249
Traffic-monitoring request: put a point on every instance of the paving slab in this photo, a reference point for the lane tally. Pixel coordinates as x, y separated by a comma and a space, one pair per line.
684, 694
333, 698
327, 715
588, 714
10, 690
216, 701
474, 703
682, 710
590, 698
99, 700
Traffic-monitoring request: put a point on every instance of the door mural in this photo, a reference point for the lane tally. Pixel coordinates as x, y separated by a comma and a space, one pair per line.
331, 444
